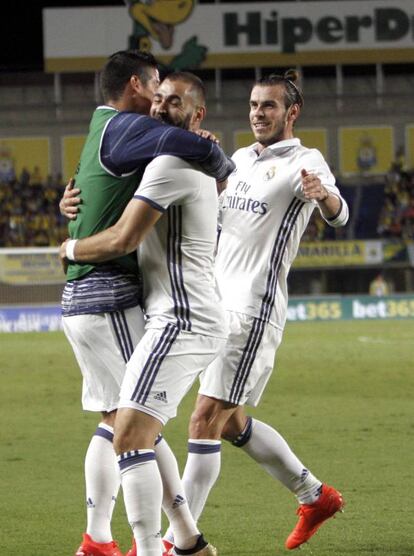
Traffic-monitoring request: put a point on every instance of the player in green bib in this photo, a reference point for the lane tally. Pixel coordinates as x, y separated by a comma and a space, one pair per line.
101, 305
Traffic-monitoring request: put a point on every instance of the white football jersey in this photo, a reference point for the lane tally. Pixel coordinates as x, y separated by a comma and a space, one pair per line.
263, 216
177, 256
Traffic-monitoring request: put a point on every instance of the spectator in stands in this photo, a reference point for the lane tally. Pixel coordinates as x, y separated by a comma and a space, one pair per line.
318, 230
399, 163
36, 177
388, 221
379, 286
24, 177
7, 171
312, 229
407, 220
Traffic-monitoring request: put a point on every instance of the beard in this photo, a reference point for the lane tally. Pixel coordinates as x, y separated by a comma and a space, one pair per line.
275, 136
166, 119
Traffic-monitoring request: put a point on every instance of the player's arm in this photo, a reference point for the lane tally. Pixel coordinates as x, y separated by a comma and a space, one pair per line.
332, 205
132, 139
313, 189
120, 239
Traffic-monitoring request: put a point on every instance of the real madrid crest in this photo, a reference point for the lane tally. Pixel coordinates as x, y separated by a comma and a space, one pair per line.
270, 173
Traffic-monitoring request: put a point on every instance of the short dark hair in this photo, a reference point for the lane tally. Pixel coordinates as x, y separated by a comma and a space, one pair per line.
195, 82
293, 94
119, 69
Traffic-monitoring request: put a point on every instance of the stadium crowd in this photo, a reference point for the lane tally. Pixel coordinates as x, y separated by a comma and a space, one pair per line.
29, 210
396, 219
30, 217
392, 213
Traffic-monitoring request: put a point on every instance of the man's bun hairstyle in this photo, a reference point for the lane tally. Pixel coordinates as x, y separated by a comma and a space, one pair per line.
290, 80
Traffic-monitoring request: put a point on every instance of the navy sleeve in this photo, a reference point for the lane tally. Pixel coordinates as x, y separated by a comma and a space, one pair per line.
131, 141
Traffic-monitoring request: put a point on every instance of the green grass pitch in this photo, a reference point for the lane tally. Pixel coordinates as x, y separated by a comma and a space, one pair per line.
342, 396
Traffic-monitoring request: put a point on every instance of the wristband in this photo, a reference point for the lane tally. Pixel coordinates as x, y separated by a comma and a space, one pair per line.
70, 249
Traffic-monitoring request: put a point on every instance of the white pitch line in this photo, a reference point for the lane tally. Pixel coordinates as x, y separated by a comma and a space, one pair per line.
369, 340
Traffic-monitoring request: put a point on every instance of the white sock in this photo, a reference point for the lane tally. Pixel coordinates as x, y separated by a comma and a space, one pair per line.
269, 449
201, 471
142, 488
182, 525
102, 481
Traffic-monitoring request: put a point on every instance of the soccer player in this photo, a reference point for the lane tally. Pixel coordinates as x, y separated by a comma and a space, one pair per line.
173, 219
265, 209
101, 304
179, 101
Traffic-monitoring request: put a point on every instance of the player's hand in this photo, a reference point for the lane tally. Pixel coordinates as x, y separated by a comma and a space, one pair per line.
62, 256
312, 187
207, 135
68, 205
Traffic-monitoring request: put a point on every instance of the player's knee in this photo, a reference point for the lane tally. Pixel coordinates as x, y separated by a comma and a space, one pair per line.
205, 422
199, 424
130, 435
125, 440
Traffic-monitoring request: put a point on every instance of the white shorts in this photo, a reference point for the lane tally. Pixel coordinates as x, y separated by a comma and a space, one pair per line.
102, 344
240, 374
163, 368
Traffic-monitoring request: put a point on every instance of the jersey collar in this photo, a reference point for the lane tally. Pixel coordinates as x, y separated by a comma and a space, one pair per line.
106, 107
278, 147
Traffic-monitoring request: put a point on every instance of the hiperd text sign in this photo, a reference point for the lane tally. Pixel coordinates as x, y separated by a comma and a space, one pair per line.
234, 35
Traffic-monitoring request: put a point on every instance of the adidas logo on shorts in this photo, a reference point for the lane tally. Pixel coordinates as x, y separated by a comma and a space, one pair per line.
161, 396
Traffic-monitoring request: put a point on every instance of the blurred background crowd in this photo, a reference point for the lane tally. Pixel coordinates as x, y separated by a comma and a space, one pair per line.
29, 211
380, 208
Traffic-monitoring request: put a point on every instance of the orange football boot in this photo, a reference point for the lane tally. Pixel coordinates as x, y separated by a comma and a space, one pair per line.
91, 548
311, 516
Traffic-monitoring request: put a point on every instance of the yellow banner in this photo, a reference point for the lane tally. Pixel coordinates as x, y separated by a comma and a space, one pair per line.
30, 267
72, 146
187, 34
24, 154
242, 138
338, 253
316, 138
366, 150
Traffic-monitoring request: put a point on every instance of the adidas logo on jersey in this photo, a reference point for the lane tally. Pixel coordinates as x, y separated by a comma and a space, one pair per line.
161, 397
